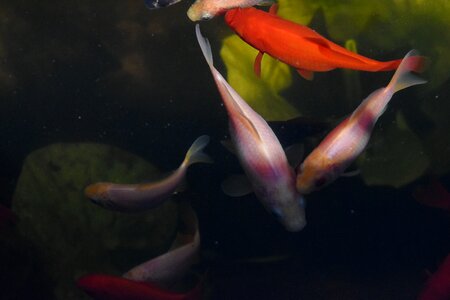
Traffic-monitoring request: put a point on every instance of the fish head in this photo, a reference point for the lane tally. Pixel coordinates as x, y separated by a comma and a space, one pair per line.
313, 176
97, 192
201, 11
288, 207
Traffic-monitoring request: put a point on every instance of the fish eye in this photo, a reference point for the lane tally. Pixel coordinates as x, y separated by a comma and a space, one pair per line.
206, 17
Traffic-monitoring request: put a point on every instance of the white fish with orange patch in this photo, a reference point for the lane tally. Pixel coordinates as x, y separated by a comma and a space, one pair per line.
203, 10
344, 143
260, 153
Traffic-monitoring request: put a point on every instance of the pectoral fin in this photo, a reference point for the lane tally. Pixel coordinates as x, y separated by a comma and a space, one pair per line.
228, 144
237, 186
273, 9
257, 64
308, 75
351, 173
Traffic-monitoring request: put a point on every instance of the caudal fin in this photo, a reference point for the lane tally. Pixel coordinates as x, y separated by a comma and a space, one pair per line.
195, 154
403, 77
416, 63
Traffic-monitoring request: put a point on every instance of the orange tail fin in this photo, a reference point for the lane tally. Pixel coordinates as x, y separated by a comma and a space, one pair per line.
418, 64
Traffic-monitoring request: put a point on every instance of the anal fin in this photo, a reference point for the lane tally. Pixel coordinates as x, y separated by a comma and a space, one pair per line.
308, 75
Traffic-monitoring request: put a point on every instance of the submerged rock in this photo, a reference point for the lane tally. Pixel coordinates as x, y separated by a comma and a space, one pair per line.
74, 236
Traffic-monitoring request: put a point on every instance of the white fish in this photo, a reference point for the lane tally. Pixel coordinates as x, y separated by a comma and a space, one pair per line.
137, 197
344, 143
203, 10
259, 153
167, 268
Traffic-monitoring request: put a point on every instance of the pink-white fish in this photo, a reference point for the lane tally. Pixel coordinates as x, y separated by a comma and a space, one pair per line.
138, 197
171, 266
260, 153
344, 143
203, 10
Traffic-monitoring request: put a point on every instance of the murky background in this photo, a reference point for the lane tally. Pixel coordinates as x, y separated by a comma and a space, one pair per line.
117, 74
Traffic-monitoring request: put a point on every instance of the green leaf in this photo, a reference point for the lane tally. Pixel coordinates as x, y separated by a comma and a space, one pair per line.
395, 156
72, 235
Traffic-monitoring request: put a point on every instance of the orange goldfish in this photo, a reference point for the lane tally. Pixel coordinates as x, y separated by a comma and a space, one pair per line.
296, 45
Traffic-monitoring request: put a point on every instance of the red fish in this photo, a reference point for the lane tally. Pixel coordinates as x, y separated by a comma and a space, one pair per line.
434, 195
438, 286
108, 287
296, 45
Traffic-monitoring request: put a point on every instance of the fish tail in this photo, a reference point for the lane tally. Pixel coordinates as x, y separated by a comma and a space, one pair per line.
195, 154
403, 77
204, 45
417, 63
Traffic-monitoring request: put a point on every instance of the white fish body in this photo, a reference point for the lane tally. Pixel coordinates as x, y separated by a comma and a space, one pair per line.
138, 197
345, 142
208, 9
260, 153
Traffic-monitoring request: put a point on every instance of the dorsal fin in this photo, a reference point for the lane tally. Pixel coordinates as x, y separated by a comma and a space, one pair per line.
250, 126
240, 113
325, 49
319, 41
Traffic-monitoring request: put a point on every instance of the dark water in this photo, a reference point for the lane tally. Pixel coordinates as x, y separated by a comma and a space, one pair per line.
116, 73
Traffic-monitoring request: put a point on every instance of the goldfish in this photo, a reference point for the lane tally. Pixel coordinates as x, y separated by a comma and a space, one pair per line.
296, 45
138, 197
259, 152
208, 9
345, 142
438, 285
434, 195
108, 287
155, 4
165, 269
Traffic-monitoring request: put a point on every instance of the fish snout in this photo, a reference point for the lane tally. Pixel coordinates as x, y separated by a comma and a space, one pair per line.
95, 192
296, 226
195, 13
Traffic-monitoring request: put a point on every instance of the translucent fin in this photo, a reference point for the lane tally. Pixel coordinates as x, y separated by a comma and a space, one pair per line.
204, 45
195, 154
403, 77
229, 145
236, 186
351, 173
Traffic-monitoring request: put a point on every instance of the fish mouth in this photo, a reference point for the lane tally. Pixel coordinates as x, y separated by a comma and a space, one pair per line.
295, 226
